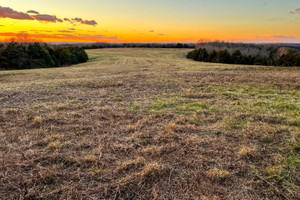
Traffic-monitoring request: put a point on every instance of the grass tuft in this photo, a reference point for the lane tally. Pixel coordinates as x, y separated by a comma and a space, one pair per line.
218, 174
37, 121
247, 152
151, 169
54, 145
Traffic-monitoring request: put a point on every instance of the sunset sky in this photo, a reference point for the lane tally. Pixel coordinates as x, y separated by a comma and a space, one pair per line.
151, 20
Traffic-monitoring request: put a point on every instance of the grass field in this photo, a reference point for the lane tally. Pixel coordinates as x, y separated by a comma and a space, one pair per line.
150, 124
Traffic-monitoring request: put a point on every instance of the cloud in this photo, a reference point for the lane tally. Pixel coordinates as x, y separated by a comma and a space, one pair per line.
161, 34
33, 12
266, 3
65, 31
6, 12
77, 19
47, 18
87, 22
39, 31
151, 31
296, 11
67, 20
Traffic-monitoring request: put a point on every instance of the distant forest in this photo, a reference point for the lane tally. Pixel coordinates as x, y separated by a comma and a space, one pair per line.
38, 55
246, 54
137, 45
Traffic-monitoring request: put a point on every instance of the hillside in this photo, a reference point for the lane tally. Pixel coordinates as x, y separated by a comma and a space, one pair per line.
150, 124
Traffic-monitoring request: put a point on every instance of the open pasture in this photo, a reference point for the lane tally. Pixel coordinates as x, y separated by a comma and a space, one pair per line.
150, 124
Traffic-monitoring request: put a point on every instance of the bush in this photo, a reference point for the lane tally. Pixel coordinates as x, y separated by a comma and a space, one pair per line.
78, 55
37, 55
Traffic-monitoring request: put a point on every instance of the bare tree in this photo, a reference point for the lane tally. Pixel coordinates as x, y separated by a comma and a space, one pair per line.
22, 37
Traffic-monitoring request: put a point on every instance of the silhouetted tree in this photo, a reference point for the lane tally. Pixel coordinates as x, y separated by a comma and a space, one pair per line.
213, 56
63, 56
39, 56
237, 57
78, 55
15, 56
223, 56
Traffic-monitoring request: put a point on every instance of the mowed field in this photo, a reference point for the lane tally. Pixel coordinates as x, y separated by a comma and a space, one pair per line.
150, 124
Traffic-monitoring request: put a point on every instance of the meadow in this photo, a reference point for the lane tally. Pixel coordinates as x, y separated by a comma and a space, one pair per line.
150, 124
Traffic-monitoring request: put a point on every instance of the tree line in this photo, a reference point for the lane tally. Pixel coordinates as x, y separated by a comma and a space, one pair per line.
277, 57
138, 45
37, 55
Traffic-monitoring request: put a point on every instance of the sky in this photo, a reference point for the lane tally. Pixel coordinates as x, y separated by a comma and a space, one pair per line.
151, 20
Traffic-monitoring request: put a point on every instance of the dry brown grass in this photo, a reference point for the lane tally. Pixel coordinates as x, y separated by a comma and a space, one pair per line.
218, 174
150, 124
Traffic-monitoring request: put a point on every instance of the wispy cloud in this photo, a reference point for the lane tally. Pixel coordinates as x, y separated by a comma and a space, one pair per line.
65, 31
88, 22
33, 12
151, 31
67, 20
296, 11
47, 18
6, 12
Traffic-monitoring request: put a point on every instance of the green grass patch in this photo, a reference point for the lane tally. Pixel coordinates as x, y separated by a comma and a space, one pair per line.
135, 108
234, 122
190, 108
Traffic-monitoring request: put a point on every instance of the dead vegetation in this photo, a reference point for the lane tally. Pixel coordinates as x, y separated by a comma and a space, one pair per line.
149, 124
